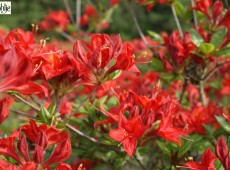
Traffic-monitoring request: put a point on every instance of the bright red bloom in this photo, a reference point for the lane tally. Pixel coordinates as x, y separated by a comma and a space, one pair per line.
179, 48
128, 132
102, 52
114, 2
226, 86
217, 9
207, 162
16, 69
90, 11
203, 6
45, 136
5, 107
53, 135
61, 152
55, 19
222, 153
225, 19
166, 129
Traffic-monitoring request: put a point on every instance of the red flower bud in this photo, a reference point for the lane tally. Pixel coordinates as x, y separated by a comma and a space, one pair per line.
38, 154
42, 140
61, 152
23, 147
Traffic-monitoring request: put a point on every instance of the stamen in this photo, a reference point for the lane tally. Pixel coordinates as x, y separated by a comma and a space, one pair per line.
37, 66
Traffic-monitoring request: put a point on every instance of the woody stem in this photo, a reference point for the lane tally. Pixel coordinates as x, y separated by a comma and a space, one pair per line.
83, 102
69, 11
67, 36
183, 90
177, 20
78, 132
139, 162
202, 93
134, 17
78, 14
194, 15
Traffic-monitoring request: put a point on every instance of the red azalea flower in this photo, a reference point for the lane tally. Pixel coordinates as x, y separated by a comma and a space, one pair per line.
53, 135
102, 52
222, 153
5, 107
207, 162
217, 9
226, 86
16, 69
203, 6
166, 129
180, 48
42, 140
55, 19
128, 132
114, 2
90, 11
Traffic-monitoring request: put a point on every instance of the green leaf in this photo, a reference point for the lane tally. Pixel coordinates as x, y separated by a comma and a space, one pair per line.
157, 65
223, 123
218, 37
225, 52
163, 147
196, 38
184, 148
51, 108
119, 163
170, 77
44, 115
114, 75
155, 36
206, 48
180, 9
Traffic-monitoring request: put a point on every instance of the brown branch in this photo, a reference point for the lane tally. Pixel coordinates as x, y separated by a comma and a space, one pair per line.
67, 36
78, 14
67, 125
177, 20
138, 28
26, 102
194, 15
69, 11
22, 114
183, 90
83, 102
202, 93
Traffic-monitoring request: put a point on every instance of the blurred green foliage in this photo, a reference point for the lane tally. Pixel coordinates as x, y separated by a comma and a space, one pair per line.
25, 12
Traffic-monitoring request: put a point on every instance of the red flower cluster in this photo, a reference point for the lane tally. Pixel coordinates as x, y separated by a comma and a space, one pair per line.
42, 136
55, 19
104, 56
144, 115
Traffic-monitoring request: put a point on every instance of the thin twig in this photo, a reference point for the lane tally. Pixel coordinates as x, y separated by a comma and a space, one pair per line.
194, 15
139, 162
69, 11
209, 74
134, 17
78, 14
82, 134
22, 113
183, 90
83, 102
58, 104
67, 36
226, 1
69, 127
202, 93
26, 102
177, 20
